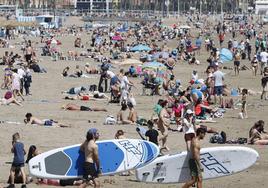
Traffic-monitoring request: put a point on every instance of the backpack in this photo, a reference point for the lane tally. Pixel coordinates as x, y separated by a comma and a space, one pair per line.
218, 138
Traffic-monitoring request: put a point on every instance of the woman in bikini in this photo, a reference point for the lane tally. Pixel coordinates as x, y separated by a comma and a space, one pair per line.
257, 134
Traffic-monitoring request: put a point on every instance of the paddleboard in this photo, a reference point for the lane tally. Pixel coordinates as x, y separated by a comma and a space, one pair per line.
115, 156
216, 161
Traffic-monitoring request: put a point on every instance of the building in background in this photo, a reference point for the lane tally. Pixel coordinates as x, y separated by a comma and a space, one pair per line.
94, 4
261, 7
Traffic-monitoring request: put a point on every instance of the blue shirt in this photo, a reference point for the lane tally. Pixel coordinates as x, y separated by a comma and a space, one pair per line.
18, 149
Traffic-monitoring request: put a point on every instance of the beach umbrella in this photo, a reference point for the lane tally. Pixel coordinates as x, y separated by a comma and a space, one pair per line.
154, 66
226, 55
140, 48
117, 38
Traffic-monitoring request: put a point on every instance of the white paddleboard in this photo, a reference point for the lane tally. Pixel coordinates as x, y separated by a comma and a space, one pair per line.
115, 156
216, 161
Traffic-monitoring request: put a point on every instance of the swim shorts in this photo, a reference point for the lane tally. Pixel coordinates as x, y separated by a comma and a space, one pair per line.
85, 108
90, 171
237, 63
17, 165
194, 168
218, 90
48, 122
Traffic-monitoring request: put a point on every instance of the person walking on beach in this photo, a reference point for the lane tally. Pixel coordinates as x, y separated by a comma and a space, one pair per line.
264, 83
195, 166
18, 160
92, 163
244, 103
188, 125
218, 84
163, 125
237, 58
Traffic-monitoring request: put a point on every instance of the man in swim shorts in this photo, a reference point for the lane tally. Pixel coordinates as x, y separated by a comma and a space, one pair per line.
30, 119
92, 164
195, 166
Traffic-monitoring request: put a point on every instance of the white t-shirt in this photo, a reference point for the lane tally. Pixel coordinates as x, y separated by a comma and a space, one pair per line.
188, 127
219, 77
124, 83
21, 73
110, 74
264, 56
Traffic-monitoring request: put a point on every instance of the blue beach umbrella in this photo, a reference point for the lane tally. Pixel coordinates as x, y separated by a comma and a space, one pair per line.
140, 48
226, 55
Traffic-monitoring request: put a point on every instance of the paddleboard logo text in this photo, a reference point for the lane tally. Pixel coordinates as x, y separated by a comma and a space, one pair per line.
212, 164
129, 147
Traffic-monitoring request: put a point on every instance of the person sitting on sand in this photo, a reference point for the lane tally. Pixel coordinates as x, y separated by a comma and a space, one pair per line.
132, 116
121, 117
257, 134
9, 99
74, 107
30, 119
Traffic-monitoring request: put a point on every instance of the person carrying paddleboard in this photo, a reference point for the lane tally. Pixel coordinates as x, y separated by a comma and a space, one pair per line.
92, 164
195, 166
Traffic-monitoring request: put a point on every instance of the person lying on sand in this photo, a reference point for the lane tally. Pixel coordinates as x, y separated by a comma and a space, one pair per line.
30, 119
257, 134
95, 96
75, 107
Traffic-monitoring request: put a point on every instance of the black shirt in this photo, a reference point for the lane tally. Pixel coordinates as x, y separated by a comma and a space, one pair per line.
152, 134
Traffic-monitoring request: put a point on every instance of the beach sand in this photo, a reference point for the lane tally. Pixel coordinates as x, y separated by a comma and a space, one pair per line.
49, 86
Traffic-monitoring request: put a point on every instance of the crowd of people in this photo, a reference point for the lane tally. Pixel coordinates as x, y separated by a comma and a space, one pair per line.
187, 106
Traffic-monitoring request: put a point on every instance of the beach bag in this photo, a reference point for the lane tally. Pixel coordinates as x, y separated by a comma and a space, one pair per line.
110, 120
218, 138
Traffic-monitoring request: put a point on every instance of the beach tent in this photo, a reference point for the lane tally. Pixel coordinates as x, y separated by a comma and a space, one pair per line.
140, 48
226, 55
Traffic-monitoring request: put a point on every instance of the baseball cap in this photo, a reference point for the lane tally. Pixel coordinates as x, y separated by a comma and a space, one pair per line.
189, 111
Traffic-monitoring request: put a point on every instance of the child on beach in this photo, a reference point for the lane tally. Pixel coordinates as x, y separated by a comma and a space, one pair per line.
244, 103
18, 160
